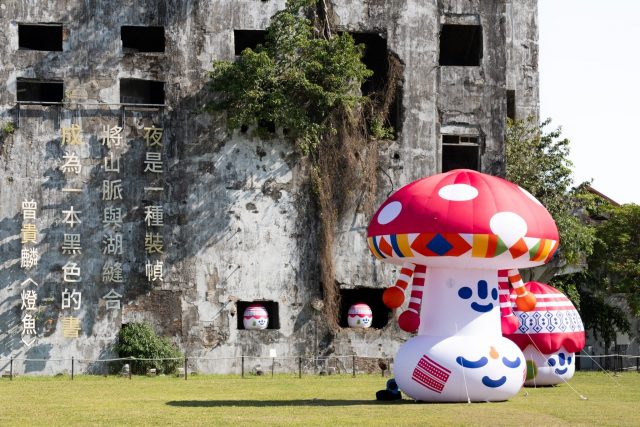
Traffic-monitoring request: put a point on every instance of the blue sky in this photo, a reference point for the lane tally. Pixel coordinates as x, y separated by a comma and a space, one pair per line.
590, 86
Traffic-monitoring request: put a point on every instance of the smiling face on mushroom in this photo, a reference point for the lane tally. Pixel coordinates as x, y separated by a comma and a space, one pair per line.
457, 231
549, 336
462, 219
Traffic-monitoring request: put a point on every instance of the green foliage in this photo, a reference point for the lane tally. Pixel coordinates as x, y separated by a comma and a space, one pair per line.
297, 80
615, 262
598, 315
9, 128
139, 340
539, 162
378, 130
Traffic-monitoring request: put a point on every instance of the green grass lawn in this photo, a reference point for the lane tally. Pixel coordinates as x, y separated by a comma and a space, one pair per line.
312, 400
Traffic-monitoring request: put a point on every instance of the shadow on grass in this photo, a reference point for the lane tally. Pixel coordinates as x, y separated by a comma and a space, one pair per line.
267, 403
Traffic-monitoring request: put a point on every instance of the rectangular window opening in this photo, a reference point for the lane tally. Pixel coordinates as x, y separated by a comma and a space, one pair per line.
271, 307
47, 37
243, 39
142, 39
511, 104
138, 91
376, 59
372, 297
460, 45
33, 90
460, 152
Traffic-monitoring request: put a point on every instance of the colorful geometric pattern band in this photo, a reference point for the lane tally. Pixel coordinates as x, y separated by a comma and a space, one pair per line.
453, 244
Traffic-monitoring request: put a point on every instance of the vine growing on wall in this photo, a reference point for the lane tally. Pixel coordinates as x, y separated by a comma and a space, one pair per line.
305, 79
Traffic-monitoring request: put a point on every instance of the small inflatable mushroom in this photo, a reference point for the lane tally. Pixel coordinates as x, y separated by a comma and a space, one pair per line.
549, 336
458, 236
255, 317
359, 316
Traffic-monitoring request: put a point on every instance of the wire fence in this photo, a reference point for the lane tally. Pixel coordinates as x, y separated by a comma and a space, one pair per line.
251, 366
183, 367
607, 362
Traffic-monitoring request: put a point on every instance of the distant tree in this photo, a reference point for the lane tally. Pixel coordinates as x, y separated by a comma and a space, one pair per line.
539, 162
615, 261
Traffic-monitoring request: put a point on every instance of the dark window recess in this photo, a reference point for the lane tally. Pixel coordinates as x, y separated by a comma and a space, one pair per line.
40, 90
142, 39
511, 104
461, 45
243, 39
136, 91
376, 59
371, 297
40, 37
460, 152
270, 306
267, 126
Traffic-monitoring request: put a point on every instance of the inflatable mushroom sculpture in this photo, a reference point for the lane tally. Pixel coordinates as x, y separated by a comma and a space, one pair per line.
456, 236
549, 336
359, 316
255, 317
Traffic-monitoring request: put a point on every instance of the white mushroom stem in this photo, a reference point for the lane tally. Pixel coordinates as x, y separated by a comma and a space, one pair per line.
525, 300
445, 312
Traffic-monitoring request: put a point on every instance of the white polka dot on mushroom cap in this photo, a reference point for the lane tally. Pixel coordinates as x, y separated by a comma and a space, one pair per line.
510, 226
529, 195
389, 213
458, 192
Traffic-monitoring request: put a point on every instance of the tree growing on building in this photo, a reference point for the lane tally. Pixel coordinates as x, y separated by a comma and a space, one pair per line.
306, 80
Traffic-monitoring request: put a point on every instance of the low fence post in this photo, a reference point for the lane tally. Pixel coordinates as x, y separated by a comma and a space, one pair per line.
299, 366
242, 367
72, 366
185, 368
354, 365
11, 369
273, 365
638, 364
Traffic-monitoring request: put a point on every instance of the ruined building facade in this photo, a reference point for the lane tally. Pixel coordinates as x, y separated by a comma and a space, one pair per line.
122, 200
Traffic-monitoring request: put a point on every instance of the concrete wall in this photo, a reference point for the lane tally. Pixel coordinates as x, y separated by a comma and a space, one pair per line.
239, 222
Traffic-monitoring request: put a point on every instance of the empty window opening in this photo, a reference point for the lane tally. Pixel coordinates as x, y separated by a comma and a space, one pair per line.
137, 91
460, 152
369, 296
40, 37
511, 104
243, 39
376, 59
461, 45
142, 39
271, 308
31, 90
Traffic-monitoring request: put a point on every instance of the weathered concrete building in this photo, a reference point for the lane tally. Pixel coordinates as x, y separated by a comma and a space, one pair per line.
121, 200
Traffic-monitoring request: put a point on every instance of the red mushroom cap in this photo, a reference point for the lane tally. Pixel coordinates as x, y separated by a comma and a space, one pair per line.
488, 221
552, 324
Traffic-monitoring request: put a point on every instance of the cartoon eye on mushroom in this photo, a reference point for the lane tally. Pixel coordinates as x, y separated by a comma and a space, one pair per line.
459, 238
549, 336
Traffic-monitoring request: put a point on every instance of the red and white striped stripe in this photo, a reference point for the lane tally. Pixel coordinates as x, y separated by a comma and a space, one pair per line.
405, 275
508, 320
525, 300
417, 288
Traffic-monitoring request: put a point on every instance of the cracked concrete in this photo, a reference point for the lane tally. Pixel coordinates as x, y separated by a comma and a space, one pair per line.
239, 222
